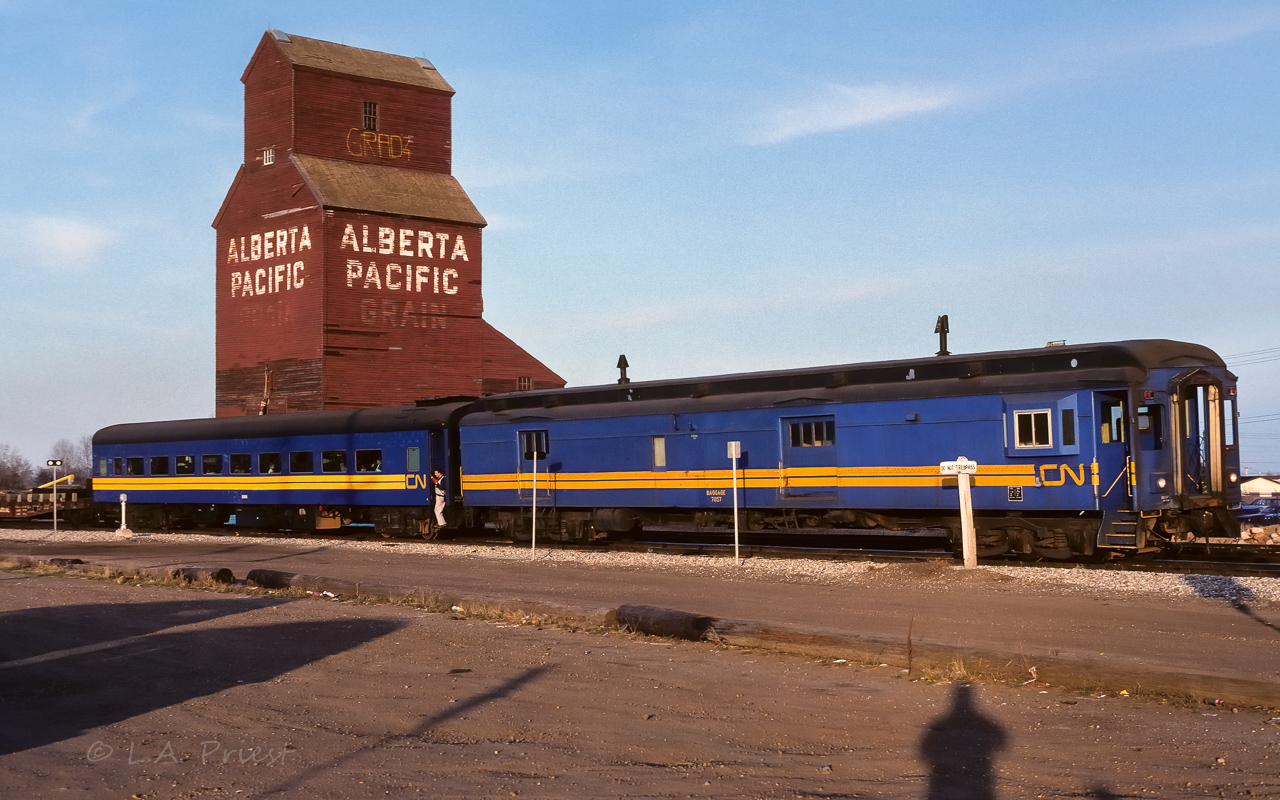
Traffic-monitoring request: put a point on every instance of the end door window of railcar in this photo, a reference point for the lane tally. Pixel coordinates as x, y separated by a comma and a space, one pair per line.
1151, 427
534, 444
241, 464
184, 465
211, 464
333, 461
134, 466
1033, 429
302, 461
269, 464
159, 465
368, 461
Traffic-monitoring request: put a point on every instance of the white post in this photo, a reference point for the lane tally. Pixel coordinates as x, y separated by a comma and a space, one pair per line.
968, 534
124, 525
533, 536
55, 495
735, 452
962, 468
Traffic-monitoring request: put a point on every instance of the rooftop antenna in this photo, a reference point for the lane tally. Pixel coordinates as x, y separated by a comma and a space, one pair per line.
622, 367
942, 329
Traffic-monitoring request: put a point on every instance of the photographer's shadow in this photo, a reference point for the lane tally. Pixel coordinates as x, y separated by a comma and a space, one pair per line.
960, 749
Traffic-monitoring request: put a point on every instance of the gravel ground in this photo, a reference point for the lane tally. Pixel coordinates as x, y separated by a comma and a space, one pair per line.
925, 577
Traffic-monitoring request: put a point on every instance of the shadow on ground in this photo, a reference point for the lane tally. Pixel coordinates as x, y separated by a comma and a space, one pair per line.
65, 670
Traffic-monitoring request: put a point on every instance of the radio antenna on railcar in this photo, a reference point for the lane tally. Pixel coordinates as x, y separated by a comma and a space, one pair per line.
622, 366
942, 329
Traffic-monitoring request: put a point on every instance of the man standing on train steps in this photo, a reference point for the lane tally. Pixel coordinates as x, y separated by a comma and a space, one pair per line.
438, 487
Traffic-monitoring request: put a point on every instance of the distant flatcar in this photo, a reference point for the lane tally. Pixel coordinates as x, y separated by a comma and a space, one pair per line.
1082, 450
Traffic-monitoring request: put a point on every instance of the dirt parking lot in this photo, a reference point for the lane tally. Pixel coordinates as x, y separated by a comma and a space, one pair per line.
129, 691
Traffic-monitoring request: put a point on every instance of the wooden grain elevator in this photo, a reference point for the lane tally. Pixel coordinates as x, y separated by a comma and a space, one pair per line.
349, 257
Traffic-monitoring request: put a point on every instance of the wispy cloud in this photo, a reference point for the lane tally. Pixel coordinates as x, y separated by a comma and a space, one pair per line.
836, 107
55, 244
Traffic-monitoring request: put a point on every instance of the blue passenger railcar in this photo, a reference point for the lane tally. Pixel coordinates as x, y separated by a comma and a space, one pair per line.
1124, 446
303, 471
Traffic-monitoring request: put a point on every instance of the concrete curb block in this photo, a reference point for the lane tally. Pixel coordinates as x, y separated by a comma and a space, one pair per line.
919, 655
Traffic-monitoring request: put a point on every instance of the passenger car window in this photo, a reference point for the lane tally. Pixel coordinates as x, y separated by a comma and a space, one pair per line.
184, 465
159, 465
368, 461
302, 461
333, 461
269, 463
211, 464
241, 464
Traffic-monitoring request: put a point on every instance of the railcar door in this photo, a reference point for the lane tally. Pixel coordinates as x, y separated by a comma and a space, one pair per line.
1112, 481
1200, 428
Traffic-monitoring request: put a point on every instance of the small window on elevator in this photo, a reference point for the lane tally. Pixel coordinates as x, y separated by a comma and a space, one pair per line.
370, 116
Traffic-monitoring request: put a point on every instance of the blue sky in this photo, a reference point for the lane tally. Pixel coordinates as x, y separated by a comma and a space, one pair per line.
707, 187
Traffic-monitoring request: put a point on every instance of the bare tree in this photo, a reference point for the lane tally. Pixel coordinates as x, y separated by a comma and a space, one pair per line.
15, 471
74, 458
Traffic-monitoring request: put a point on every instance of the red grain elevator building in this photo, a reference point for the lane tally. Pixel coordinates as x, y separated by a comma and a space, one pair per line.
349, 257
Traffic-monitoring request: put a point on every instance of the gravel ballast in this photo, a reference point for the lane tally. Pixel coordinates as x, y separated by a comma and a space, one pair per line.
936, 576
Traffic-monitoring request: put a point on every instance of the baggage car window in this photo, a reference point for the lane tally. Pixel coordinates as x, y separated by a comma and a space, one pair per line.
333, 461
184, 465
813, 433
211, 464
133, 466
368, 461
102, 466
534, 443
1033, 428
302, 461
659, 452
159, 465
269, 464
241, 464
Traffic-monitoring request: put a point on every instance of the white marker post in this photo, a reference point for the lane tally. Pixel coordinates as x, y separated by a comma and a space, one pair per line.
533, 531
962, 468
124, 526
735, 453
55, 463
